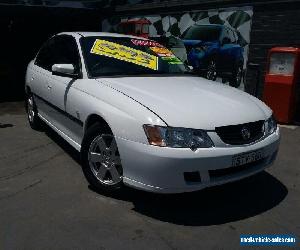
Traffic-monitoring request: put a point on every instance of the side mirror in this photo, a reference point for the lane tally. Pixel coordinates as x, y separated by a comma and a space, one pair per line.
66, 70
226, 40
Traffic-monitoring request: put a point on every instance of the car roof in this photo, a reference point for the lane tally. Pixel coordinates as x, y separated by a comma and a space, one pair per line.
106, 34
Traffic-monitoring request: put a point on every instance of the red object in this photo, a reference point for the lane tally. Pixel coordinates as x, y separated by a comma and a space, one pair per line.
135, 27
280, 87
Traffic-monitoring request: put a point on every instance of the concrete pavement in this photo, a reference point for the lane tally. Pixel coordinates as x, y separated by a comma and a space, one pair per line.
46, 203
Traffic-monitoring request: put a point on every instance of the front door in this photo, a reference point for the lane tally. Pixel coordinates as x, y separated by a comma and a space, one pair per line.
52, 95
66, 52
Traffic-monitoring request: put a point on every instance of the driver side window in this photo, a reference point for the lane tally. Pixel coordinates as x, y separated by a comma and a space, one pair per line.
59, 50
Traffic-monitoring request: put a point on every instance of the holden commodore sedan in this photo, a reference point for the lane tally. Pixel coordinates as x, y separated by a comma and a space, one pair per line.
139, 117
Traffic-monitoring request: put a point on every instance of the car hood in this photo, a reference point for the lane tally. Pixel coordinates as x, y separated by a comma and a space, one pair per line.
192, 102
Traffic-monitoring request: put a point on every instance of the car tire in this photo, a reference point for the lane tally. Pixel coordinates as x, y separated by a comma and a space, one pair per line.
237, 77
211, 73
101, 162
32, 113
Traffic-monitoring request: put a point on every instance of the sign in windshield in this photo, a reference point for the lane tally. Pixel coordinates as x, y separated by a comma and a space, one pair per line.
127, 56
124, 53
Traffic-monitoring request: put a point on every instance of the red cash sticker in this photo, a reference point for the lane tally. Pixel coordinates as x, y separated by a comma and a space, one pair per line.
145, 43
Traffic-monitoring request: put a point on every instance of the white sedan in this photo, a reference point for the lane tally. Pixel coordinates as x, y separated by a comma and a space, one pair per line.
139, 117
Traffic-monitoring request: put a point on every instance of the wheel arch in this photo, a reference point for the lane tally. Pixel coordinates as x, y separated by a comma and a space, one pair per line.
96, 118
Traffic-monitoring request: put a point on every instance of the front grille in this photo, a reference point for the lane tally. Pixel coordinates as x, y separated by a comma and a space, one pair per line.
233, 134
223, 172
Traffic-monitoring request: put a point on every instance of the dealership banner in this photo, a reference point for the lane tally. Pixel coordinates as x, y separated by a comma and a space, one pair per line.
214, 42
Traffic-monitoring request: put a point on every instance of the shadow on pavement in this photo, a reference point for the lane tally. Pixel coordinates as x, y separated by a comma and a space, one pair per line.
218, 205
61, 143
212, 206
6, 125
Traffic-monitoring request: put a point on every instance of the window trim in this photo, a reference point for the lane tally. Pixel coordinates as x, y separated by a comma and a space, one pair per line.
83, 58
37, 55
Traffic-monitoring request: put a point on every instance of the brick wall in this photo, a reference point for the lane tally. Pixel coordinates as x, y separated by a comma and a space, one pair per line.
272, 25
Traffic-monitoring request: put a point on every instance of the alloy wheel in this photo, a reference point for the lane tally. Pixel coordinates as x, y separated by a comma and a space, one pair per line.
211, 71
30, 109
104, 160
239, 75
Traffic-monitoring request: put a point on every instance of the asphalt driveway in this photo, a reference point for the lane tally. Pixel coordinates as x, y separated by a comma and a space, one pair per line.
45, 202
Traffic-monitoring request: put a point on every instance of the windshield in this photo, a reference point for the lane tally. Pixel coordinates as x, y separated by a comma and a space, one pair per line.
108, 56
205, 33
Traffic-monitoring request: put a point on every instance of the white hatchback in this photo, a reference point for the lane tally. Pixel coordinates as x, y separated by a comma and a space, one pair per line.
139, 117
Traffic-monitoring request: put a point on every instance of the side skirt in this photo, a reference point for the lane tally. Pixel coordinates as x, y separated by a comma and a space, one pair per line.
62, 134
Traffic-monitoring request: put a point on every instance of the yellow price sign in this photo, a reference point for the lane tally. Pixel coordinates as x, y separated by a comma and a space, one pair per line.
124, 53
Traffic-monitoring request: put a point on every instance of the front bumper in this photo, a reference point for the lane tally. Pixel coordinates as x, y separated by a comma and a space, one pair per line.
163, 170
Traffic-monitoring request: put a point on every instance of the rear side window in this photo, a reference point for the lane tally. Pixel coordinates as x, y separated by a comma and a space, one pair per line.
59, 49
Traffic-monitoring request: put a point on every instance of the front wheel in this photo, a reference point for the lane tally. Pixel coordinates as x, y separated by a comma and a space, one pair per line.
211, 73
101, 160
237, 77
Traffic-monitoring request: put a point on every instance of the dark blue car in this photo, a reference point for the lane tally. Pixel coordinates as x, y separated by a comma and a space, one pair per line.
213, 51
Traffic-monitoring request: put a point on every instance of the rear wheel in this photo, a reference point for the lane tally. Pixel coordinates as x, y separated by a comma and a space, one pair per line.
211, 73
101, 159
32, 113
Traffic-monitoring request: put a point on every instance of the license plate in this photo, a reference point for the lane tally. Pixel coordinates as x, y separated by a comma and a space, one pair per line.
245, 158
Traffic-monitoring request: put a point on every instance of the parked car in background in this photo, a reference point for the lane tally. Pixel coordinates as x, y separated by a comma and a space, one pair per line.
213, 51
173, 43
139, 117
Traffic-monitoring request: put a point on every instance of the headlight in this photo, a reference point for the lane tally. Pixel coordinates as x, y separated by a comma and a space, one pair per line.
177, 137
270, 125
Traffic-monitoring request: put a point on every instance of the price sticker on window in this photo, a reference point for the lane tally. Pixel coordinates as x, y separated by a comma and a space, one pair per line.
163, 52
124, 53
166, 55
